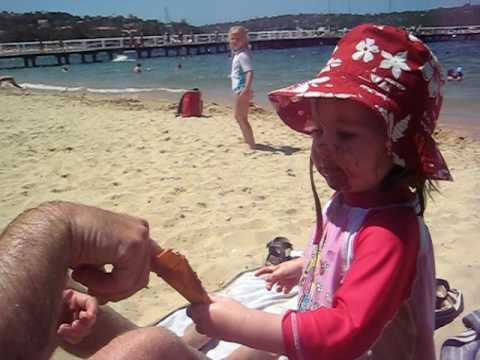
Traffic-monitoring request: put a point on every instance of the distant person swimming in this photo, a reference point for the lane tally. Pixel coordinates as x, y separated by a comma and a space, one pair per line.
460, 73
137, 68
455, 74
65, 68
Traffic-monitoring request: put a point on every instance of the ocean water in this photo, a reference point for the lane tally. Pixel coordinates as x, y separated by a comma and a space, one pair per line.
273, 69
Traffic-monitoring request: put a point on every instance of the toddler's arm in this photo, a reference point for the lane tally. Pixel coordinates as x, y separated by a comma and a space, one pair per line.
229, 320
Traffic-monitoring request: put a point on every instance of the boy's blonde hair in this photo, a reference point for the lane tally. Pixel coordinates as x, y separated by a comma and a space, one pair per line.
239, 30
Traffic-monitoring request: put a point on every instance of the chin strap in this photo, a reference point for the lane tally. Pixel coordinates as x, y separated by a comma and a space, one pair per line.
318, 208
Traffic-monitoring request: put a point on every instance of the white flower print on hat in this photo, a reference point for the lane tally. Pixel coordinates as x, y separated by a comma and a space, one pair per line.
332, 63
395, 62
365, 50
430, 74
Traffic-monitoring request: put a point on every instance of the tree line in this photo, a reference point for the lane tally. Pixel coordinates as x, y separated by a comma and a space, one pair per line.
44, 26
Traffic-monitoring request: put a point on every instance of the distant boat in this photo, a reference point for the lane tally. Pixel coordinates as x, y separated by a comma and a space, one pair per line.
125, 56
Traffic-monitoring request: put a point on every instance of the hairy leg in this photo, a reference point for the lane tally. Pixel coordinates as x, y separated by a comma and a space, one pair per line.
152, 343
241, 115
246, 353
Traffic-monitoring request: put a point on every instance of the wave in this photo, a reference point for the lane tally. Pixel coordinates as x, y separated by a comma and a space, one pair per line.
122, 58
96, 90
50, 87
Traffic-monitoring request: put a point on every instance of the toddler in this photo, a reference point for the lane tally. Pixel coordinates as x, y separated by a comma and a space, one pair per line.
367, 277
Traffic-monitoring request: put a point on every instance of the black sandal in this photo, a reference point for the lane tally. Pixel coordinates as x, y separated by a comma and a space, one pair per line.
448, 303
278, 250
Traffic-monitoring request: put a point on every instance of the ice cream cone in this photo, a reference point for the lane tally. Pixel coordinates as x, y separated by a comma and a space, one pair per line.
174, 268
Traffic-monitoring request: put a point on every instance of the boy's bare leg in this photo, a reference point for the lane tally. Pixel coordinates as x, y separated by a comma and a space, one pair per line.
246, 353
152, 343
241, 115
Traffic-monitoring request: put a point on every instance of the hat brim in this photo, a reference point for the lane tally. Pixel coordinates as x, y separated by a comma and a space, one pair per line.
293, 107
292, 102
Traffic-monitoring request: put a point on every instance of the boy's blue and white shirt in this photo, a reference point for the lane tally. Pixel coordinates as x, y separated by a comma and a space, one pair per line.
241, 64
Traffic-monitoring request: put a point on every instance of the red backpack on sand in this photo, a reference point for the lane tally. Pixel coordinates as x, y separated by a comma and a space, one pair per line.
191, 104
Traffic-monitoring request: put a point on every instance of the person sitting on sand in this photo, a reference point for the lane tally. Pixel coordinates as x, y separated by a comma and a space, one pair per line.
9, 80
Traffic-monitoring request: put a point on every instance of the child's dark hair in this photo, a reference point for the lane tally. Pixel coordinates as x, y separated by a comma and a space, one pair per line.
421, 186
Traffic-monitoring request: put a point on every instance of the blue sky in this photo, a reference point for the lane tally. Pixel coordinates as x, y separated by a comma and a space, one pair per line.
199, 12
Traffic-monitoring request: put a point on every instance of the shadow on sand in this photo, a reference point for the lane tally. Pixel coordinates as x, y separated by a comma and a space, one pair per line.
286, 150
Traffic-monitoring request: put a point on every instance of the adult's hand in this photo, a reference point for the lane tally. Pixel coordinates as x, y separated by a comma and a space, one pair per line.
100, 237
36, 249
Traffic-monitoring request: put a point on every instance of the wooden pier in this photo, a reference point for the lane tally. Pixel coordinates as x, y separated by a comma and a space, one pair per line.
94, 50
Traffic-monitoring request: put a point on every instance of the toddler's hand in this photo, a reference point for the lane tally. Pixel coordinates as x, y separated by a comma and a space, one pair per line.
78, 317
285, 275
219, 320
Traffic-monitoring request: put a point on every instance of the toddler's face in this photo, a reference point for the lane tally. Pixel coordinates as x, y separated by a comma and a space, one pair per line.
349, 145
237, 40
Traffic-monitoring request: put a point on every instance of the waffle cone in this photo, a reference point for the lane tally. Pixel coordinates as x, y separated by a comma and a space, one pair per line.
174, 268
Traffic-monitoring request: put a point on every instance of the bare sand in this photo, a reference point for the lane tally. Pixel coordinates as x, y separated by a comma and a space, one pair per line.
203, 192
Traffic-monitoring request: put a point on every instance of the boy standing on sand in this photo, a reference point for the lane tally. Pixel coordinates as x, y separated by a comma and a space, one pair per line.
242, 78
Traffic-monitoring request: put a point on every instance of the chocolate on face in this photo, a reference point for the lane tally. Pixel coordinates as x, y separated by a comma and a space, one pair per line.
348, 147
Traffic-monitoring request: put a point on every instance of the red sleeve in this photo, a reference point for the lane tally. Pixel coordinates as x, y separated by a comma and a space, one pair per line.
375, 286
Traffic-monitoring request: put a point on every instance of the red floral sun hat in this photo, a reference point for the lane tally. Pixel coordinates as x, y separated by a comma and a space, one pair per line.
393, 73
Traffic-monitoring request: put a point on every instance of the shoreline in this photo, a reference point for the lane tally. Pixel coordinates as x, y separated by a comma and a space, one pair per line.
457, 114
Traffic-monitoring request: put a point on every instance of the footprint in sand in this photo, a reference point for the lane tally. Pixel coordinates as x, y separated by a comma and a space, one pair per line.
60, 190
172, 222
178, 190
291, 173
